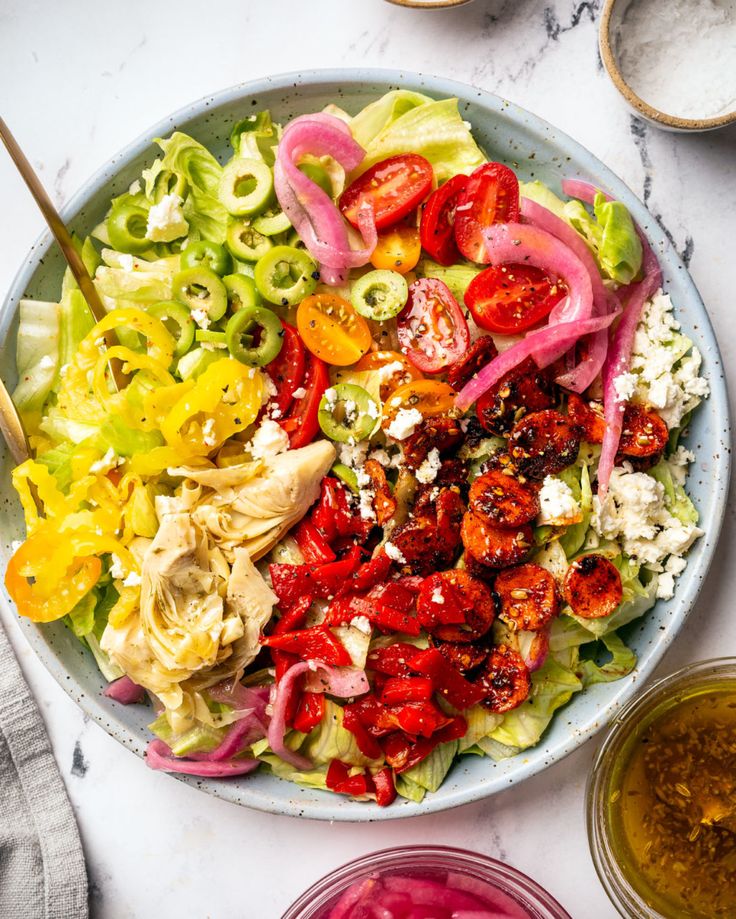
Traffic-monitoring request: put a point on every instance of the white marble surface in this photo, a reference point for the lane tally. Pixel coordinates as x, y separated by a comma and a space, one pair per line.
78, 79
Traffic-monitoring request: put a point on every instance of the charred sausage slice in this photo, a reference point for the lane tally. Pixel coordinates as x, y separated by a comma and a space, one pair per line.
439, 433
503, 500
528, 597
480, 353
593, 587
524, 389
505, 678
455, 606
644, 432
495, 546
465, 655
544, 443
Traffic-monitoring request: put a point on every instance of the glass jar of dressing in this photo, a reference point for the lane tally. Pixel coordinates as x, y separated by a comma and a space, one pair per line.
662, 798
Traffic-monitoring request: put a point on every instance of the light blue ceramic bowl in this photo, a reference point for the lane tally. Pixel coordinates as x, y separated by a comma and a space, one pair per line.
535, 149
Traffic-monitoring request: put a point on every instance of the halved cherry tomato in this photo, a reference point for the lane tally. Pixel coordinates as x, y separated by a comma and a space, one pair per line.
503, 500
302, 422
287, 369
512, 298
544, 443
497, 547
491, 196
375, 360
505, 678
593, 587
429, 397
397, 249
391, 189
437, 228
528, 596
332, 329
432, 330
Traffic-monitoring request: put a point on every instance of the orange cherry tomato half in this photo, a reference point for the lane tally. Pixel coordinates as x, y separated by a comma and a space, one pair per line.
332, 329
431, 327
512, 298
391, 189
399, 375
491, 196
430, 397
398, 249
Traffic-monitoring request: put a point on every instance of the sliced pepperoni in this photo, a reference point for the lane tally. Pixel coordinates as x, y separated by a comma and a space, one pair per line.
593, 587
440, 433
494, 546
524, 389
505, 678
644, 432
544, 443
480, 353
588, 416
384, 503
465, 655
456, 606
528, 597
503, 500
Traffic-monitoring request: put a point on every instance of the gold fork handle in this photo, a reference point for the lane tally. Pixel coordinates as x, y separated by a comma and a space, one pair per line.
12, 427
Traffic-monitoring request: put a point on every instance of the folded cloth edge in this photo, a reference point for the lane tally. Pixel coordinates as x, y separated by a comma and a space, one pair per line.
64, 880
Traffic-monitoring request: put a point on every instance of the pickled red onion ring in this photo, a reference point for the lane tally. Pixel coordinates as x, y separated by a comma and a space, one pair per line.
309, 208
125, 691
160, 757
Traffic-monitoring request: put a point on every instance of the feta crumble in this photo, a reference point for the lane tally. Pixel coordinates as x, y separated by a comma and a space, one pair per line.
133, 580
404, 424
199, 315
437, 596
46, 363
299, 393
127, 262
427, 471
557, 504
269, 440
625, 386
166, 220
362, 623
117, 569
394, 553
208, 432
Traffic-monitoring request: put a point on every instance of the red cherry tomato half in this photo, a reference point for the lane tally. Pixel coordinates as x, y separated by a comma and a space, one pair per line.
392, 188
491, 196
512, 298
432, 330
437, 229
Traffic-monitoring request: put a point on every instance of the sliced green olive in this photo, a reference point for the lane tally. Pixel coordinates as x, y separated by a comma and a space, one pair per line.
348, 413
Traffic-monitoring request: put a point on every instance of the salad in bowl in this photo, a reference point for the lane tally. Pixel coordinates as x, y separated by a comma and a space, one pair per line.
396, 454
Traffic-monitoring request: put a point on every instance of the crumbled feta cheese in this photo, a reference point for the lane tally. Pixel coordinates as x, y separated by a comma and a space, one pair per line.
199, 315
381, 456
127, 262
404, 424
133, 580
427, 471
635, 514
16, 544
117, 569
274, 412
271, 387
106, 462
394, 553
366, 494
46, 363
437, 596
362, 623
166, 220
665, 364
63, 370
208, 432
269, 440
299, 393
135, 187
354, 455
330, 399
351, 411
557, 504
625, 386
372, 410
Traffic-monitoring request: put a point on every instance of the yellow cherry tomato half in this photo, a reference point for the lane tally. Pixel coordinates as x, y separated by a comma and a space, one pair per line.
332, 329
397, 249
390, 381
430, 397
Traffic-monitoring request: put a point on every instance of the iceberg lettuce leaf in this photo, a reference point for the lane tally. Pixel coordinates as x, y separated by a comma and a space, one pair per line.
676, 498
381, 114
457, 277
431, 772
36, 356
622, 661
620, 251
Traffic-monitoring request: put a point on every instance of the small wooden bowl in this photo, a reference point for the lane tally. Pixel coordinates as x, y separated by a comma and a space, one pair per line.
638, 105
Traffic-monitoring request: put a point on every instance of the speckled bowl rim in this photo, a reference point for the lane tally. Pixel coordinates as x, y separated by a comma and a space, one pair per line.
281, 797
636, 102
428, 5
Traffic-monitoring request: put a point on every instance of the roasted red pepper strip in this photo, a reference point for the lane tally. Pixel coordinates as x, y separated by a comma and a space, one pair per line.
402, 753
337, 773
312, 544
391, 595
293, 618
400, 689
310, 711
301, 423
393, 659
447, 681
368, 575
316, 643
420, 718
287, 369
367, 744
385, 787
291, 582
395, 620
339, 780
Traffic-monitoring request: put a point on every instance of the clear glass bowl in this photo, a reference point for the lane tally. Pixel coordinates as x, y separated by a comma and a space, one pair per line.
617, 872
428, 862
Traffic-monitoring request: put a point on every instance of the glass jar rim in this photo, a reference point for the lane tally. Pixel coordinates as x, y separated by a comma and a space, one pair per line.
510, 880
629, 719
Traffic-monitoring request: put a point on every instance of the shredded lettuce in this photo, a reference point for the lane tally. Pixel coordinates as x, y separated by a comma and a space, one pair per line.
481, 723
676, 498
126, 441
58, 461
201, 738
36, 356
622, 661
330, 740
435, 130
141, 285
578, 479
255, 137
427, 775
90, 258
